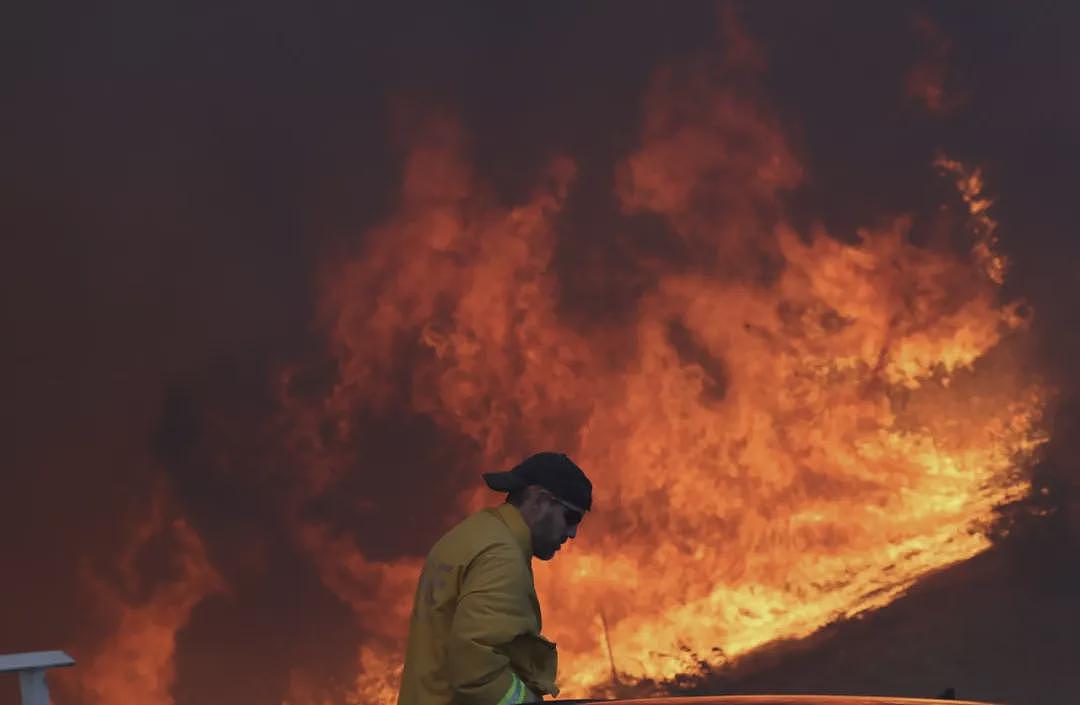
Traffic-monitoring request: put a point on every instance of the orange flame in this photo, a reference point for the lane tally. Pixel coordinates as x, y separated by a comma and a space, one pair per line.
134, 663
983, 227
792, 430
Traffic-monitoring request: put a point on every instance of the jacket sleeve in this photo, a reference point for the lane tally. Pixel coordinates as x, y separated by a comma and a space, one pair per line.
492, 609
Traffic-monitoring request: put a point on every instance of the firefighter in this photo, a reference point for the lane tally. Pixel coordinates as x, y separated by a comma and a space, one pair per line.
474, 633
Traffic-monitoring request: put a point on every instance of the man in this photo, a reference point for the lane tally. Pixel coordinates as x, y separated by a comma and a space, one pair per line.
474, 635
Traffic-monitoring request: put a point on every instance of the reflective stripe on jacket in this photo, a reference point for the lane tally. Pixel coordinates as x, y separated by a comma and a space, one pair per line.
474, 634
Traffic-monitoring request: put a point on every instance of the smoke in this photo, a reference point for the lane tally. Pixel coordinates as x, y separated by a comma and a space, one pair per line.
929, 83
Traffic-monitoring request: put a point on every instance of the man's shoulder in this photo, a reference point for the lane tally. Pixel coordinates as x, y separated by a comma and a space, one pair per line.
478, 533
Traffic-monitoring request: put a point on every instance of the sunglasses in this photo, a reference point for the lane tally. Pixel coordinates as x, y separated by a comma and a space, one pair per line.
573, 514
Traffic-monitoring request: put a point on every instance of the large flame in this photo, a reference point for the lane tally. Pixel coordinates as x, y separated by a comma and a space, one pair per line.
790, 430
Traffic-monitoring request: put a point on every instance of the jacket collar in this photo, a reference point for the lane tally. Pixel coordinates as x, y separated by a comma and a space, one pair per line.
511, 516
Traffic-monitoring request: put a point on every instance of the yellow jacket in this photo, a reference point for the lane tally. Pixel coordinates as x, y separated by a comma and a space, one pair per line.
474, 634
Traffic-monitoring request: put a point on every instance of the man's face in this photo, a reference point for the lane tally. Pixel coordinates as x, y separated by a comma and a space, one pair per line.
553, 527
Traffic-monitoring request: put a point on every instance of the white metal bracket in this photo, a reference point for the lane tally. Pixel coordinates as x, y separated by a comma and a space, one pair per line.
31, 669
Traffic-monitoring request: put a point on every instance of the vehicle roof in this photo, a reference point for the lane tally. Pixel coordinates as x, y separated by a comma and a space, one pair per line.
777, 700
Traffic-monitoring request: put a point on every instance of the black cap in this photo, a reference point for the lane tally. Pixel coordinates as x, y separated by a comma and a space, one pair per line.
555, 472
